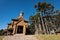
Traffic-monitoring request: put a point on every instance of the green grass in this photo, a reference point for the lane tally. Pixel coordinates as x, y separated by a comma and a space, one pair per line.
1, 37
48, 37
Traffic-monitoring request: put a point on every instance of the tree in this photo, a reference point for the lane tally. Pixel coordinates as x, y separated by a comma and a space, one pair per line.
46, 9
1, 32
34, 23
39, 9
38, 20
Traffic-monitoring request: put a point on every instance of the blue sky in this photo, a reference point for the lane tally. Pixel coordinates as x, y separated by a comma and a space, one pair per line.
10, 9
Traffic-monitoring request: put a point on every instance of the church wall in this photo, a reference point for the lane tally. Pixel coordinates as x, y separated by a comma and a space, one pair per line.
9, 26
23, 23
15, 22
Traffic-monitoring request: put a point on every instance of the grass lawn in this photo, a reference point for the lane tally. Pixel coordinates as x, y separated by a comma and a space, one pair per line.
1, 37
48, 37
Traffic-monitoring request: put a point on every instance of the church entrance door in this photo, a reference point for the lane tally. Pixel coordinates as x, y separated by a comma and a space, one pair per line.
20, 29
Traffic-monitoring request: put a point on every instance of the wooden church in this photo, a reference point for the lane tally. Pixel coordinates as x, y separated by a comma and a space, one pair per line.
18, 25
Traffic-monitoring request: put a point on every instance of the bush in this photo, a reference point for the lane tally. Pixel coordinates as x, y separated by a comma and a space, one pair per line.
1, 32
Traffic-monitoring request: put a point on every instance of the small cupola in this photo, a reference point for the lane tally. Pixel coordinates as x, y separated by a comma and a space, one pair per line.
21, 15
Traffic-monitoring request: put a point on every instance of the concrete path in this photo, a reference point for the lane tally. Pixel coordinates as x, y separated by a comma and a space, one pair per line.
20, 37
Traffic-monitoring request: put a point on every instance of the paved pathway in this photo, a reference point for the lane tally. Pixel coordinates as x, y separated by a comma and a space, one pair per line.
20, 37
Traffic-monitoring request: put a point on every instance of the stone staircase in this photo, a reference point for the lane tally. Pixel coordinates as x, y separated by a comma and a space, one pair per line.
20, 37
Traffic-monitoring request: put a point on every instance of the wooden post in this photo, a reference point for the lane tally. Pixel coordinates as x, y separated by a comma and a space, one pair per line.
24, 30
14, 30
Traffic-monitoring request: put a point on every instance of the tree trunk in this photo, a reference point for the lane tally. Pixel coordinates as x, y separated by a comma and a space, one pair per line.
42, 23
36, 29
46, 26
39, 31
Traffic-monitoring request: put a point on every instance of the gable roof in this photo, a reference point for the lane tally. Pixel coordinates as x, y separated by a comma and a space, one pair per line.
14, 19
